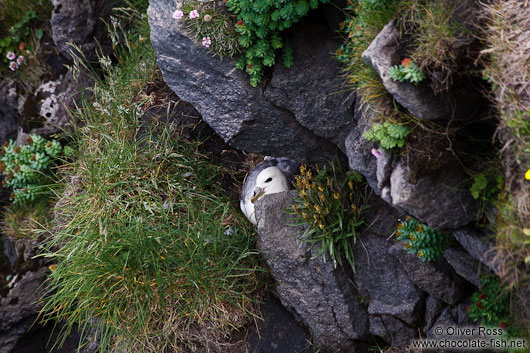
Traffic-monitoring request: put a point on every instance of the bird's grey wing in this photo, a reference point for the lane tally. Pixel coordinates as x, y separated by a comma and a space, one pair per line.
250, 181
289, 167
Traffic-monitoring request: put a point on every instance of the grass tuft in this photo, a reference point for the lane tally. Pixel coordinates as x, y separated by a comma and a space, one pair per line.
148, 249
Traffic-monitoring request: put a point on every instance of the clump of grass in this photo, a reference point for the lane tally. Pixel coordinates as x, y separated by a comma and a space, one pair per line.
27, 221
214, 28
332, 204
148, 249
364, 20
441, 33
506, 68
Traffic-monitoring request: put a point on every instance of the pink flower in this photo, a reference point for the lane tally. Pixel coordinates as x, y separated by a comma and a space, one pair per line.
13, 65
178, 14
20, 60
194, 14
376, 153
11, 55
206, 41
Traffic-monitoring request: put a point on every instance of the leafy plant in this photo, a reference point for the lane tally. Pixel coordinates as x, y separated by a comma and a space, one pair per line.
491, 304
422, 240
332, 205
260, 25
16, 34
26, 167
387, 134
407, 71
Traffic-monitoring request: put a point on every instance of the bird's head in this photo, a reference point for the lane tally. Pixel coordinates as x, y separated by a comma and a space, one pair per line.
269, 181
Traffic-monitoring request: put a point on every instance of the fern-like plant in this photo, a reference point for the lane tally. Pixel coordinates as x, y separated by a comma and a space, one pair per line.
260, 25
422, 240
407, 71
25, 167
387, 134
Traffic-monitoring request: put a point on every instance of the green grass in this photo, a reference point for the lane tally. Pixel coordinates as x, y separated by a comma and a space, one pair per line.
364, 20
141, 241
438, 37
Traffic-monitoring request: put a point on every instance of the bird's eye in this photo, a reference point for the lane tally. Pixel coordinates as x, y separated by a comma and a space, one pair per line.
268, 180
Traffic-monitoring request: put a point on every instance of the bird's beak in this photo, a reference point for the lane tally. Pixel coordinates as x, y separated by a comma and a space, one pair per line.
258, 192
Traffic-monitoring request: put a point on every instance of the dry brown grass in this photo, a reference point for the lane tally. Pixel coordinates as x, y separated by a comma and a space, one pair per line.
507, 68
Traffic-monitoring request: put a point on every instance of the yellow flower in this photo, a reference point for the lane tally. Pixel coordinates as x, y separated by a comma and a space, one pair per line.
321, 189
322, 196
527, 174
306, 204
328, 181
400, 226
412, 237
304, 215
295, 209
302, 168
315, 217
350, 184
321, 226
336, 196
318, 208
353, 207
419, 228
52, 267
303, 193
407, 245
420, 254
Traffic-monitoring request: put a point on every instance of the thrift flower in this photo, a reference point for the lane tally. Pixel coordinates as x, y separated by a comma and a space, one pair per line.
406, 62
207, 18
206, 41
178, 14
13, 65
376, 153
20, 60
11, 55
194, 14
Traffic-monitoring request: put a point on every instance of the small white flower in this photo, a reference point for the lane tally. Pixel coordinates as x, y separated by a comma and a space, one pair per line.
13, 65
206, 41
178, 14
11, 55
194, 14
20, 60
207, 18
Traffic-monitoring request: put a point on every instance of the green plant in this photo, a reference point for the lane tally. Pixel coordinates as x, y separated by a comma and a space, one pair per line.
364, 21
332, 205
387, 134
491, 304
260, 25
148, 249
26, 167
422, 240
407, 71
213, 29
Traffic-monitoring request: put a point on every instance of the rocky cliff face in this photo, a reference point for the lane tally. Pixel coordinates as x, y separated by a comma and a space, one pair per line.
303, 113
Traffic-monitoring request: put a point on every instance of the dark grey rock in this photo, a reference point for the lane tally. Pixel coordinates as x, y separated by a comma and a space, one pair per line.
292, 115
358, 149
46, 111
394, 331
313, 98
19, 309
436, 277
433, 308
466, 266
382, 281
420, 100
321, 296
478, 246
79, 22
384, 168
438, 199
451, 316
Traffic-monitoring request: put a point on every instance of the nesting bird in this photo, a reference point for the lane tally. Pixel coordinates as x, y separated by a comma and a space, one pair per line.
271, 176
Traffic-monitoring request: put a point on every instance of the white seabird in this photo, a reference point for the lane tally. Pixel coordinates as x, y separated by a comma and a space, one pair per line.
270, 176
